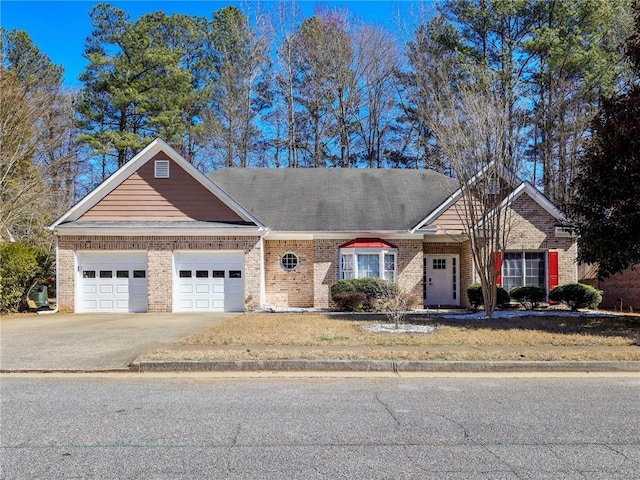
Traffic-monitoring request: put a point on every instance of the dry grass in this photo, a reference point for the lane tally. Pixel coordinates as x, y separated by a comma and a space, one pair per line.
315, 330
310, 353
316, 336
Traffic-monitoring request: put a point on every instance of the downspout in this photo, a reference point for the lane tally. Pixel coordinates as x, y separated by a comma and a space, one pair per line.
55, 310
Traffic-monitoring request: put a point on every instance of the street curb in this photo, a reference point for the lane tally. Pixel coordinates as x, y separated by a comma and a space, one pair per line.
381, 366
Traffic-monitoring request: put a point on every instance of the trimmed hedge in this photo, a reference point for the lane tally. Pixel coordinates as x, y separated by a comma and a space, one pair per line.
474, 294
373, 289
576, 295
529, 297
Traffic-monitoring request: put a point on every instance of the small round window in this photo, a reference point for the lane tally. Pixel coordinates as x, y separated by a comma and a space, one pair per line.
289, 261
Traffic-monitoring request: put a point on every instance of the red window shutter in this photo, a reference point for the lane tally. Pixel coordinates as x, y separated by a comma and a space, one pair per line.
553, 270
497, 265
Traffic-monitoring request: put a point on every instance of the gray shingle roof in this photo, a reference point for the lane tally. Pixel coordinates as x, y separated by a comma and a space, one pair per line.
336, 200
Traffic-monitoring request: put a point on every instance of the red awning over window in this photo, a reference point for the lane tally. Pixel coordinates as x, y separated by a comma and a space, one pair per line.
368, 243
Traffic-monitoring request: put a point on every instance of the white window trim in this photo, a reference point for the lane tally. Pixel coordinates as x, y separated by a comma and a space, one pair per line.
369, 251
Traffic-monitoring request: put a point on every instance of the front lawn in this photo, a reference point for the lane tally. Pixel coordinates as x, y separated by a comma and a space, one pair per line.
313, 336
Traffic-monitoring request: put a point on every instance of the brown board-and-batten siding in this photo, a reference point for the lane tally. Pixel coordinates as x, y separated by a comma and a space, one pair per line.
142, 197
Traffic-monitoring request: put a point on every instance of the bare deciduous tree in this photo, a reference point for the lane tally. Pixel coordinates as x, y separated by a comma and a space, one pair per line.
472, 125
377, 61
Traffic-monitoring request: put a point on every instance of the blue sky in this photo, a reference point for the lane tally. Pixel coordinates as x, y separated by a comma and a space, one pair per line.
59, 28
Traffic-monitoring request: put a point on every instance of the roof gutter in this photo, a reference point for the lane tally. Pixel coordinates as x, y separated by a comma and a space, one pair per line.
158, 231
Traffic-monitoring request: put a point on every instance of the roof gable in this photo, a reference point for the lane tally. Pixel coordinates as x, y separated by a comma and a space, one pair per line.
143, 197
132, 193
450, 209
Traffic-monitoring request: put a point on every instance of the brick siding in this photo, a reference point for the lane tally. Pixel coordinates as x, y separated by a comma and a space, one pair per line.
409, 275
621, 291
325, 270
533, 228
289, 288
160, 262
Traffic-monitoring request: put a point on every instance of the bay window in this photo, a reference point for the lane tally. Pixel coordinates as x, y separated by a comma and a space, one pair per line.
363, 263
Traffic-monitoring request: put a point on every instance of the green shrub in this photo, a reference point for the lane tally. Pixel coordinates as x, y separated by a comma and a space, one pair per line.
373, 289
351, 301
529, 297
376, 288
342, 286
474, 294
576, 295
22, 265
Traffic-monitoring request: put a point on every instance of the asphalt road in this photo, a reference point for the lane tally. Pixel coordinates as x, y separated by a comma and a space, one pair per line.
459, 428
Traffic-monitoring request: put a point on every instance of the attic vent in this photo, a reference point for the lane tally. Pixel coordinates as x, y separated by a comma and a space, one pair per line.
162, 169
493, 185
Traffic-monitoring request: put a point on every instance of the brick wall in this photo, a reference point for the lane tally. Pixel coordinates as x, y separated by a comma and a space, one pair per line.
66, 278
289, 288
160, 277
533, 228
409, 274
325, 270
621, 290
160, 262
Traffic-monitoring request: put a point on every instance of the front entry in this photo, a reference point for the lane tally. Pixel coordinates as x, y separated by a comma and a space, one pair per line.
442, 280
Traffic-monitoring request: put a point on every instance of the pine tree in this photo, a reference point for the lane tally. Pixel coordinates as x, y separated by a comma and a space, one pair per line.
606, 204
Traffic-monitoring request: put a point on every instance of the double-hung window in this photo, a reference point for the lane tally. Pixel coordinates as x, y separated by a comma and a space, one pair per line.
363, 263
524, 269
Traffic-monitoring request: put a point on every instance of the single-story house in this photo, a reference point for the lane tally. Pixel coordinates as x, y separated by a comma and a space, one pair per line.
160, 236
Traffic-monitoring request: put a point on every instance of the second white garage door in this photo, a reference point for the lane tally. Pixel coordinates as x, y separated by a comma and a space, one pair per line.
208, 282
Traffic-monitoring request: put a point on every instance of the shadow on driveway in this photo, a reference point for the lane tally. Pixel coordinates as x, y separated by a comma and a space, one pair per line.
86, 342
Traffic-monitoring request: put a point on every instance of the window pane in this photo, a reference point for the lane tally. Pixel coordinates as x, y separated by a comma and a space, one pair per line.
217, 274
439, 263
368, 265
512, 274
346, 266
535, 269
202, 273
122, 274
106, 274
185, 273
139, 274
389, 266
235, 274
88, 274
289, 261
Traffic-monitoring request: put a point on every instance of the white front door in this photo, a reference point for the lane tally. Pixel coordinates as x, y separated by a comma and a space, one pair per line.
209, 282
442, 274
111, 282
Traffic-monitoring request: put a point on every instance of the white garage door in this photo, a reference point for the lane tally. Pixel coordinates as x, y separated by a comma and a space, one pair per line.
112, 282
209, 282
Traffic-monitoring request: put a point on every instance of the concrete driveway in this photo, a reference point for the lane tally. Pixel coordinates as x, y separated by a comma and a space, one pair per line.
86, 342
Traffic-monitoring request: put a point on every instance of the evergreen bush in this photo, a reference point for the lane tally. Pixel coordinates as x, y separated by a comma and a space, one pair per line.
529, 297
373, 289
476, 299
576, 295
